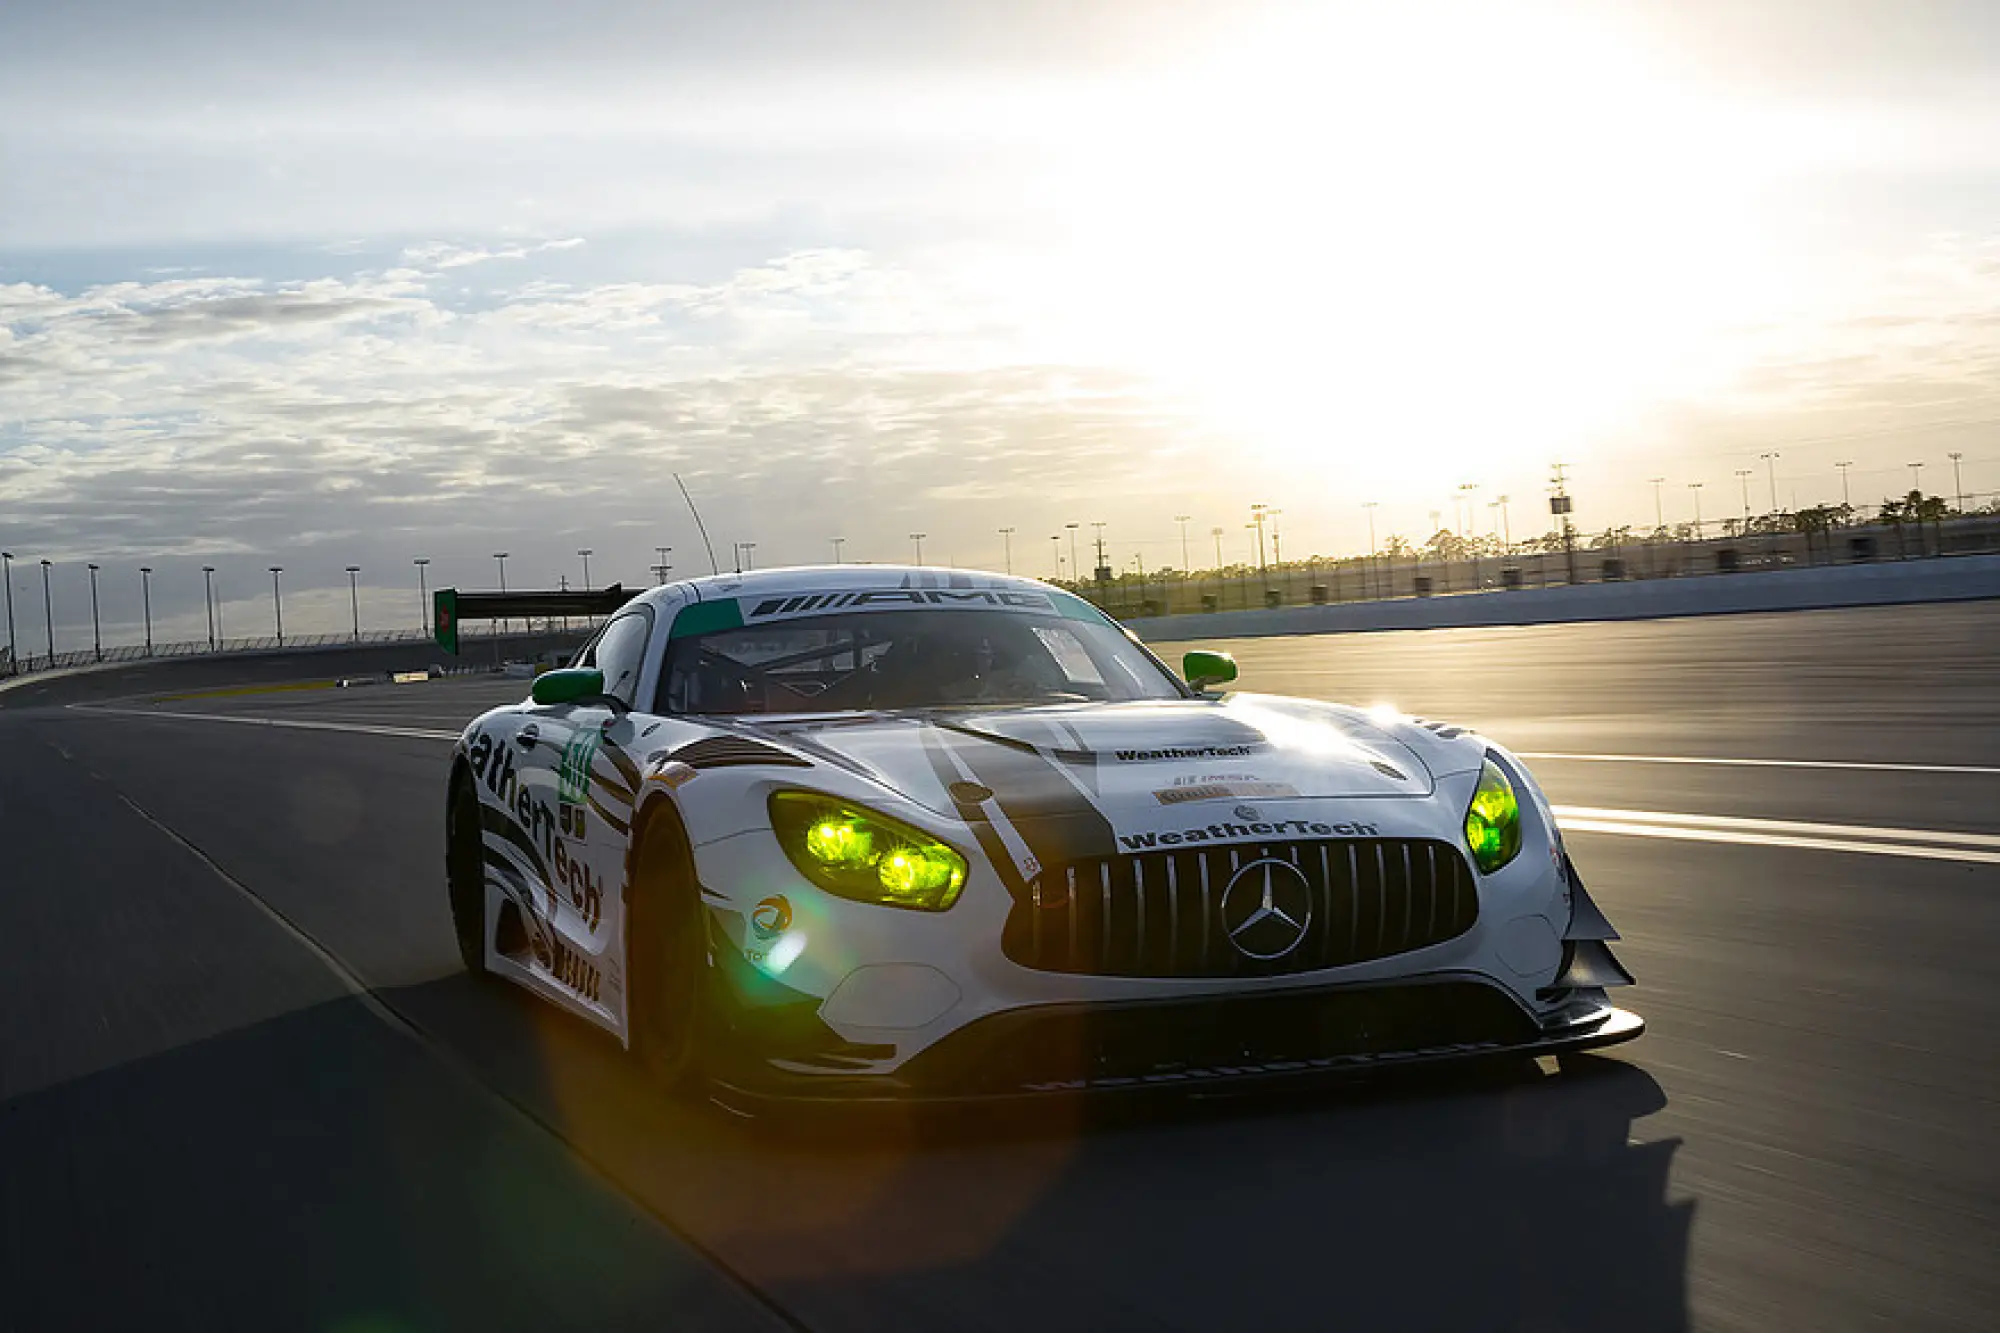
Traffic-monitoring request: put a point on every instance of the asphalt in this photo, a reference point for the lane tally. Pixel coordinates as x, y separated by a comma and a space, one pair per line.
244, 1084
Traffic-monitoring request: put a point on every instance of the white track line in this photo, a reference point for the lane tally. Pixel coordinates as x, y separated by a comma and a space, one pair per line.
291, 724
1932, 837
1761, 763
1741, 838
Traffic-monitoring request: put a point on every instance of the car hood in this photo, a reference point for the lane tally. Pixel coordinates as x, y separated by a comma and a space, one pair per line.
1130, 757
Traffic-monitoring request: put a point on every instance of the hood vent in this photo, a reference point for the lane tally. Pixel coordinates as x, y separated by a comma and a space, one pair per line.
735, 752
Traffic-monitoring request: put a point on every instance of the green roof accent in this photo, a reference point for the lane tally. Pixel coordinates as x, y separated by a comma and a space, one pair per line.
706, 618
1075, 608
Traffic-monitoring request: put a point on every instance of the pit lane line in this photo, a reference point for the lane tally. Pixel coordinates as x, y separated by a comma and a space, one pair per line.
1920, 844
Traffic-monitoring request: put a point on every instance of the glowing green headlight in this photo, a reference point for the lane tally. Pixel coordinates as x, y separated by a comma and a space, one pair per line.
859, 854
917, 873
840, 842
1493, 821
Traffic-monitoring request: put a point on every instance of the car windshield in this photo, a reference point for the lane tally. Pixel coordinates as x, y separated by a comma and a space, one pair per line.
908, 659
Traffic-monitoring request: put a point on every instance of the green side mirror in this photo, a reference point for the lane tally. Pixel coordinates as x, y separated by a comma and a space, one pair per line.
568, 685
1204, 669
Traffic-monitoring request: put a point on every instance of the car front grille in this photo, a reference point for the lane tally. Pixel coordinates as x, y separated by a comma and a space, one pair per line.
1161, 914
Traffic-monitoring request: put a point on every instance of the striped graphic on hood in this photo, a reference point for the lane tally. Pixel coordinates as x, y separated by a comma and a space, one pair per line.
1038, 812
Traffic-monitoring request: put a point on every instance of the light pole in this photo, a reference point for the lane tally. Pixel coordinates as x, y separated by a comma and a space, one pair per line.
1182, 519
278, 603
1055, 543
1771, 468
13, 649
663, 569
208, 601
96, 633
1917, 478
1007, 540
1694, 488
917, 540
49, 614
1506, 527
1257, 522
838, 542
423, 593
354, 597
1374, 581
1659, 514
1957, 483
586, 553
1100, 549
1217, 534
500, 558
1843, 483
1743, 475
146, 600
1072, 547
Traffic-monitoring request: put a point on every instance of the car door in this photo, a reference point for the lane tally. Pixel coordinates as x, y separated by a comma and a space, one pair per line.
592, 779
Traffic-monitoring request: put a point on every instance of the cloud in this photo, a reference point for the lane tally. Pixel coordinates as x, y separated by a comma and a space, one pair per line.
387, 413
364, 418
440, 255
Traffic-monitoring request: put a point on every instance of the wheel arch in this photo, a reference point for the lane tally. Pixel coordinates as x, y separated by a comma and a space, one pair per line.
657, 815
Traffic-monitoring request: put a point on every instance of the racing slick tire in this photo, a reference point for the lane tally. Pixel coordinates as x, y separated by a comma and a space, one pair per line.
668, 958
465, 874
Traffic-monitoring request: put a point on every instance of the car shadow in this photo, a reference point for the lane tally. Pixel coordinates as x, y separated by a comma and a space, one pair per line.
319, 1170
1514, 1198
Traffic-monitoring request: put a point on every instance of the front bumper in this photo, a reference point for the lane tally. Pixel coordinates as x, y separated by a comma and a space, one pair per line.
1195, 1045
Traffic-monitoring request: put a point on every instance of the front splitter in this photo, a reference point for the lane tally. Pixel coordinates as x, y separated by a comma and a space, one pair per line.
1619, 1026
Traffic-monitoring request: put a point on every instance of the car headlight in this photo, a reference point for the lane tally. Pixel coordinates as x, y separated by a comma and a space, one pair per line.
859, 854
1493, 820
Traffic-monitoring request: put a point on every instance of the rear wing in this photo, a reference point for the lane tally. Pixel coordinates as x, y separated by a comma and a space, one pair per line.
449, 607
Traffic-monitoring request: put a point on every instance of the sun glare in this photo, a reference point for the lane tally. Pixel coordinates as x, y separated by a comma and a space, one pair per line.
1417, 241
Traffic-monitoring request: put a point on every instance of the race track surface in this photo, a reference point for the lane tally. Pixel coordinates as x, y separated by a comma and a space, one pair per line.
244, 1083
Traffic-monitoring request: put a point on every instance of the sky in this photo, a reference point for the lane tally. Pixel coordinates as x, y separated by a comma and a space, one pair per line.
317, 285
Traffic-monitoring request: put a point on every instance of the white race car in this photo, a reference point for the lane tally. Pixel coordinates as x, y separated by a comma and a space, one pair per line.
866, 831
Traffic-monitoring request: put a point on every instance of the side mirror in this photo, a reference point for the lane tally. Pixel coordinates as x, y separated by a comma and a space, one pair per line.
1204, 669
568, 685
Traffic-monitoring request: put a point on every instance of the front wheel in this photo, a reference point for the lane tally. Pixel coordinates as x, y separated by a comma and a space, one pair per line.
668, 959
465, 875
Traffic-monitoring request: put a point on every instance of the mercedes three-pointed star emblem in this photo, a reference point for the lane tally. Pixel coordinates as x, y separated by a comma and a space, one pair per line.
1267, 909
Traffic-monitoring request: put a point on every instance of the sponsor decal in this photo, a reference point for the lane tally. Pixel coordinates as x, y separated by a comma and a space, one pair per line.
1224, 790
811, 603
771, 917
573, 773
573, 971
541, 825
1297, 828
1181, 754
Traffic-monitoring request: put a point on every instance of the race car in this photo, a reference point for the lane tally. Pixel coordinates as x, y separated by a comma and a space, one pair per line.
868, 831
